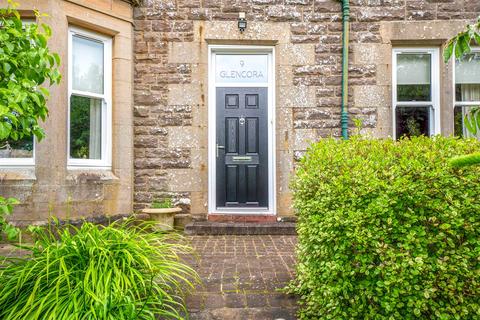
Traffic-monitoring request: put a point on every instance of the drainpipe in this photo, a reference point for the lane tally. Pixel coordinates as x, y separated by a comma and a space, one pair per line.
345, 34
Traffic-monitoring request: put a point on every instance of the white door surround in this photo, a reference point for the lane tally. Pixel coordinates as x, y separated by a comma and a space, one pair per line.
213, 83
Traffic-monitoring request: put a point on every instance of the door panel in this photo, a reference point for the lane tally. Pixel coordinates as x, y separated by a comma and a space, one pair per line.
231, 187
252, 135
242, 147
231, 135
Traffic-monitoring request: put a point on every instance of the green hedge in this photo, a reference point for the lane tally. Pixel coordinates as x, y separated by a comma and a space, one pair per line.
388, 230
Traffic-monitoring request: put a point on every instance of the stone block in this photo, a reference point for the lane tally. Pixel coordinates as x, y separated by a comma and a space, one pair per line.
384, 74
199, 202
372, 14
368, 53
420, 30
184, 94
266, 32
285, 205
284, 76
302, 138
199, 158
283, 13
122, 48
296, 97
186, 137
284, 170
371, 96
187, 52
185, 180
295, 54
284, 128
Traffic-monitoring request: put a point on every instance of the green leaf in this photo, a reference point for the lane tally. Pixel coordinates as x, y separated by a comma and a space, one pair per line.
5, 130
470, 124
448, 51
7, 67
42, 41
445, 226
476, 36
57, 58
11, 232
3, 110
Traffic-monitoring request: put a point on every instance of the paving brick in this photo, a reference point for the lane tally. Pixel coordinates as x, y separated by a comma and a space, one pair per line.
241, 277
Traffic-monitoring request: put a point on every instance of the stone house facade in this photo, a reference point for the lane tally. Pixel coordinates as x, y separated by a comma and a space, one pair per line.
173, 57
215, 117
47, 181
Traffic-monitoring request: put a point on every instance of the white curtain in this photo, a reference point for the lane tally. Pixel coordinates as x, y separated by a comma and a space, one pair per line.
95, 142
470, 92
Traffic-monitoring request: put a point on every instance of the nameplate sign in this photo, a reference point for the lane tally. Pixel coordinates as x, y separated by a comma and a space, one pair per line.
245, 68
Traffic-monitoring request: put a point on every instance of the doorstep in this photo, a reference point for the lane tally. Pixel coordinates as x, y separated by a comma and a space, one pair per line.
251, 218
240, 228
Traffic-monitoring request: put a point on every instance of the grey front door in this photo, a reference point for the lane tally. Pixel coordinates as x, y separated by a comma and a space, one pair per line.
242, 147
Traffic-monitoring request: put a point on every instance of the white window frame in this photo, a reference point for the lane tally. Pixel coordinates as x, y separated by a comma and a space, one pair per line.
21, 162
462, 103
212, 105
106, 161
435, 88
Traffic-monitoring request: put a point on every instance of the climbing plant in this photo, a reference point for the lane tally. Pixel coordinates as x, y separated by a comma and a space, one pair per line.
26, 64
459, 46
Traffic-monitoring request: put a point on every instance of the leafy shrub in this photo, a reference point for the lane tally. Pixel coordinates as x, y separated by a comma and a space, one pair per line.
165, 204
26, 64
6, 209
120, 271
388, 230
466, 160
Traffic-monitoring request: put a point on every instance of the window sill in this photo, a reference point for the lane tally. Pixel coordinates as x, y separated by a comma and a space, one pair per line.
17, 173
83, 175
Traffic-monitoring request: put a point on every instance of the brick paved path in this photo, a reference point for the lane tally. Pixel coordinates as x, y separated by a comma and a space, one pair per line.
241, 275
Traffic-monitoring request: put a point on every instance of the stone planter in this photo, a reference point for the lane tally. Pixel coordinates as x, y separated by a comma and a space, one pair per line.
163, 217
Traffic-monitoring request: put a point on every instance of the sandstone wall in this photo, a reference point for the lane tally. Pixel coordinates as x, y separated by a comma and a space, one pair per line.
170, 91
48, 188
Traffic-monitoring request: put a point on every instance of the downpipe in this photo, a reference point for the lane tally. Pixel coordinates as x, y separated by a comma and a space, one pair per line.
345, 42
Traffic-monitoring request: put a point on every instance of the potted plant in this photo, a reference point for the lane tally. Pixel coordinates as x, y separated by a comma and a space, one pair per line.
162, 212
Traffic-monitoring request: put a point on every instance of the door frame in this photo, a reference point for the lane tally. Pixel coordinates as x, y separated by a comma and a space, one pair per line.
212, 126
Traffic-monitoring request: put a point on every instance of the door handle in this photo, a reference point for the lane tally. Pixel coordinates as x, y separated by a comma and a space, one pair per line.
219, 147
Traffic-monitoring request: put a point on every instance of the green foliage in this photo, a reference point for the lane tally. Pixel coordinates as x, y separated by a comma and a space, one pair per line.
465, 161
472, 120
79, 126
25, 64
117, 272
165, 204
461, 44
6, 208
387, 230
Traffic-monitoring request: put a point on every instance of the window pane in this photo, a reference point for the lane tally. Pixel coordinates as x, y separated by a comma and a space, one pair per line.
467, 78
459, 127
413, 77
85, 128
251, 68
87, 65
412, 121
22, 148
